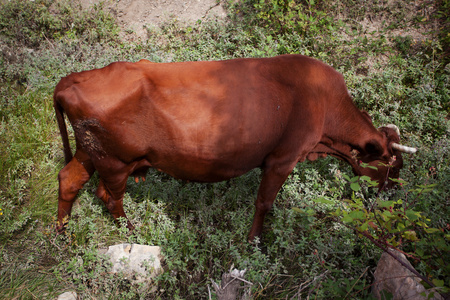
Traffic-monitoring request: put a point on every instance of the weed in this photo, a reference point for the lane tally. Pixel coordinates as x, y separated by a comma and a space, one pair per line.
31, 23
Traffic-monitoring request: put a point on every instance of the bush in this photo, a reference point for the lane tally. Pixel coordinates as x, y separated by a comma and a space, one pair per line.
31, 23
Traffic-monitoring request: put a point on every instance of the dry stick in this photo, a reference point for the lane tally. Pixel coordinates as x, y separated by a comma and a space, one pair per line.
301, 288
209, 293
356, 282
34, 296
209, 9
241, 279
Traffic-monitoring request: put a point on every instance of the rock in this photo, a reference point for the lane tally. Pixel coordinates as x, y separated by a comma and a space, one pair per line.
134, 259
394, 278
68, 296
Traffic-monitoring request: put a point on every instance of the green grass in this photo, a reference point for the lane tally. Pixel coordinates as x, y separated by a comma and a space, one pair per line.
202, 228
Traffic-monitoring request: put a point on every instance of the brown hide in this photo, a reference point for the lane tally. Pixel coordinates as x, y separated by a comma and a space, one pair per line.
208, 122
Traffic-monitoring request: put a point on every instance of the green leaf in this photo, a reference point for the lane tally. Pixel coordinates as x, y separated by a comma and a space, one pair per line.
323, 200
310, 211
338, 212
355, 186
420, 252
366, 165
398, 180
387, 214
354, 179
438, 283
365, 178
357, 214
347, 219
364, 226
298, 210
410, 235
386, 203
425, 188
431, 230
412, 215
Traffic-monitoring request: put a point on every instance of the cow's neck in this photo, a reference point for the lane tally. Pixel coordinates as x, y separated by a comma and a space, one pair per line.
347, 125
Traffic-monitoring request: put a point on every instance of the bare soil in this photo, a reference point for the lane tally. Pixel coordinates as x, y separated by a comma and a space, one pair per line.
135, 15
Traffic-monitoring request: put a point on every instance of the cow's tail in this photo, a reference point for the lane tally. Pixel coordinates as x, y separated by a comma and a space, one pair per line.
59, 110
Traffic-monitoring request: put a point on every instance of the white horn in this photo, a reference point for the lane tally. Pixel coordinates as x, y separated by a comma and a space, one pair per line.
405, 149
392, 126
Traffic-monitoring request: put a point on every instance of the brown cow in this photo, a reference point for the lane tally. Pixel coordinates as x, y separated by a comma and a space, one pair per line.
212, 121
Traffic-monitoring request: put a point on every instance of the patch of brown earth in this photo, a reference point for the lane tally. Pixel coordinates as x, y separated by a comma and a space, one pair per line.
135, 15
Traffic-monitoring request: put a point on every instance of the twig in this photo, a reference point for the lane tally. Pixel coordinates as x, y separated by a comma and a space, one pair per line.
209, 9
53, 242
34, 296
51, 44
242, 279
301, 288
356, 282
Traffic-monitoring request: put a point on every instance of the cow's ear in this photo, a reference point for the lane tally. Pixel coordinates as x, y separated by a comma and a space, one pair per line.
391, 134
366, 115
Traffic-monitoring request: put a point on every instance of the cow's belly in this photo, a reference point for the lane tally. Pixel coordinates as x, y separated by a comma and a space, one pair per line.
206, 168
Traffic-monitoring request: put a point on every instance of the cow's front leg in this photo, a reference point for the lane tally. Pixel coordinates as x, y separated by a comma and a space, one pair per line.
273, 178
112, 196
71, 179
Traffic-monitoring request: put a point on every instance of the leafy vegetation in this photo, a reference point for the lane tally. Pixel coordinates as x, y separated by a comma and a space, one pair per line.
35, 23
305, 250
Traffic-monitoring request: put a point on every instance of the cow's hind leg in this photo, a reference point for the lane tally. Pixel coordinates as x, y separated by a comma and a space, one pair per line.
111, 192
71, 179
273, 178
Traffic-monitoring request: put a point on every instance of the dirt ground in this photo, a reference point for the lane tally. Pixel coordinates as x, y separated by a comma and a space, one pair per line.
134, 15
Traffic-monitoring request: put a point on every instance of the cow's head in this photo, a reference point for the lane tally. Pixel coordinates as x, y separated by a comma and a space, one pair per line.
383, 163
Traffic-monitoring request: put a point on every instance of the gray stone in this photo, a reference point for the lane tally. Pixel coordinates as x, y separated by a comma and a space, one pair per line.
141, 260
392, 277
68, 296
